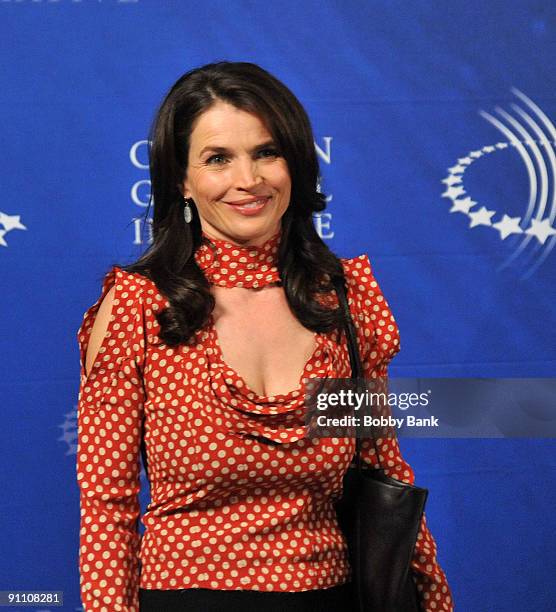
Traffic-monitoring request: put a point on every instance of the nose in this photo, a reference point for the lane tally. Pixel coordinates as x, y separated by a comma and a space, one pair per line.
246, 174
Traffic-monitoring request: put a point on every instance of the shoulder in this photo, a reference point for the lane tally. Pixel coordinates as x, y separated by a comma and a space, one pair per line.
373, 316
120, 291
131, 289
360, 280
357, 269
127, 304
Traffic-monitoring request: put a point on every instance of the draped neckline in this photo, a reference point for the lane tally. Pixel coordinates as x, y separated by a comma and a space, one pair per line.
278, 418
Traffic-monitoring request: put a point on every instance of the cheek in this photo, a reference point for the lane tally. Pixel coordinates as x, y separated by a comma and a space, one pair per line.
286, 189
282, 179
213, 184
208, 185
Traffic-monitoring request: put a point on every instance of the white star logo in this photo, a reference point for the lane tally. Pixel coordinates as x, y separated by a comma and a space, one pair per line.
11, 222
453, 192
451, 180
508, 225
541, 229
462, 206
481, 217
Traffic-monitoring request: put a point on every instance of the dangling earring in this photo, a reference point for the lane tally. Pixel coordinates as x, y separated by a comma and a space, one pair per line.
187, 214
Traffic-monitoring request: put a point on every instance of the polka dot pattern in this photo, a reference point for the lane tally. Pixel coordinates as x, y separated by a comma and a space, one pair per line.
228, 265
241, 496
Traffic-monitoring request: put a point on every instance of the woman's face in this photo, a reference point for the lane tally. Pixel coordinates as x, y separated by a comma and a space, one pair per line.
232, 159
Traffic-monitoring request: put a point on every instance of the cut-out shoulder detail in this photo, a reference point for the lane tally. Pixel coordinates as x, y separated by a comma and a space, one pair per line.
100, 327
128, 324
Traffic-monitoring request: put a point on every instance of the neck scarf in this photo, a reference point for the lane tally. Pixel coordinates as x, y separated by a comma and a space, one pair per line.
230, 265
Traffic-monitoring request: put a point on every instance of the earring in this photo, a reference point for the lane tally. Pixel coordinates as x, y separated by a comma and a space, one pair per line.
187, 214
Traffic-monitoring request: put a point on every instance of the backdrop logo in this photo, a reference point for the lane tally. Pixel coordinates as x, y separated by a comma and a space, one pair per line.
529, 132
7, 224
69, 431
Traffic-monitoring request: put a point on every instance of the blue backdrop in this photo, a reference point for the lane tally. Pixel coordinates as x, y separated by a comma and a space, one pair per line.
434, 123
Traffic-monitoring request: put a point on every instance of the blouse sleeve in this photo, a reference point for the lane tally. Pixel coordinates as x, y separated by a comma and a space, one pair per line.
109, 419
379, 342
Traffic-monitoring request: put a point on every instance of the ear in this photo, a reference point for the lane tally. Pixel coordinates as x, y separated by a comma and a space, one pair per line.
184, 189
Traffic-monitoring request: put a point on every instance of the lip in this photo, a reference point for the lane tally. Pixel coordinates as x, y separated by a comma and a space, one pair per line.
252, 210
248, 200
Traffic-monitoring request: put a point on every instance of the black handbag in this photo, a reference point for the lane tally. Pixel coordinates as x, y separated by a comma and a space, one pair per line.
380, 517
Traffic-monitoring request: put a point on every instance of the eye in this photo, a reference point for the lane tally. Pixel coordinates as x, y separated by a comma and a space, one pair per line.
269, 152
215, 158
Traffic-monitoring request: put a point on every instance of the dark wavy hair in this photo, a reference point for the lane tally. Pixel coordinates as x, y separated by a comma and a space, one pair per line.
306, 264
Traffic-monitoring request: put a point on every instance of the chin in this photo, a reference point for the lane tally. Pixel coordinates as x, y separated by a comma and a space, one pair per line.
254, 233
250, 228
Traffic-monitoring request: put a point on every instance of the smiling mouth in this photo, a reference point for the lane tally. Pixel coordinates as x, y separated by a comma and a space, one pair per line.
251, 207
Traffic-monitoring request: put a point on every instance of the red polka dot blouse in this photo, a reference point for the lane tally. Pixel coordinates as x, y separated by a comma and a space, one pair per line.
241, 497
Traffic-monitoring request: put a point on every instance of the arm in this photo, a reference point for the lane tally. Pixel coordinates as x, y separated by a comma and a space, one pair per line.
379, 342
110, 409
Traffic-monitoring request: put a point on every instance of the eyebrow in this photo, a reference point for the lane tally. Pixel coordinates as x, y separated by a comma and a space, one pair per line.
216, 149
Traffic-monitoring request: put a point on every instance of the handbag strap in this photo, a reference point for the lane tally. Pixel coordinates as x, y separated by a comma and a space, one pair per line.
354, 356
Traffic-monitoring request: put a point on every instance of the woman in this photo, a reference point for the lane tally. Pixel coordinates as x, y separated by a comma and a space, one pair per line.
196, 355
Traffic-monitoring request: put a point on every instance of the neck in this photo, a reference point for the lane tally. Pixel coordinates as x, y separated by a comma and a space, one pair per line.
247, 242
